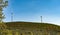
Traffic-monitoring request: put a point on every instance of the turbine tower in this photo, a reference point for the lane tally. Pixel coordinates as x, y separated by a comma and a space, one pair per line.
3, 3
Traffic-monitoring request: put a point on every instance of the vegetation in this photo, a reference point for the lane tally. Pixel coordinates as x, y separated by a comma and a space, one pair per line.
33, 25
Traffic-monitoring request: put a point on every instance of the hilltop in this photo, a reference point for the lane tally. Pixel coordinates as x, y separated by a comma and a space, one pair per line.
32, 25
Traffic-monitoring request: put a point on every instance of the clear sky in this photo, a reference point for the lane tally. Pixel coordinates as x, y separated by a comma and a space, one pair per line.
31, 10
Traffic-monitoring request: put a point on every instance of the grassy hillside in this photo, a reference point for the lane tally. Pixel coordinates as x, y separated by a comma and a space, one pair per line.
33, 25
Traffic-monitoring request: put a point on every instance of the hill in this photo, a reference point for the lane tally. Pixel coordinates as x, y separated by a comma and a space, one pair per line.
32, 25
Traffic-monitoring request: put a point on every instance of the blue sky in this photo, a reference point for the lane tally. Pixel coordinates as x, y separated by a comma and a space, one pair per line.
31, 10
